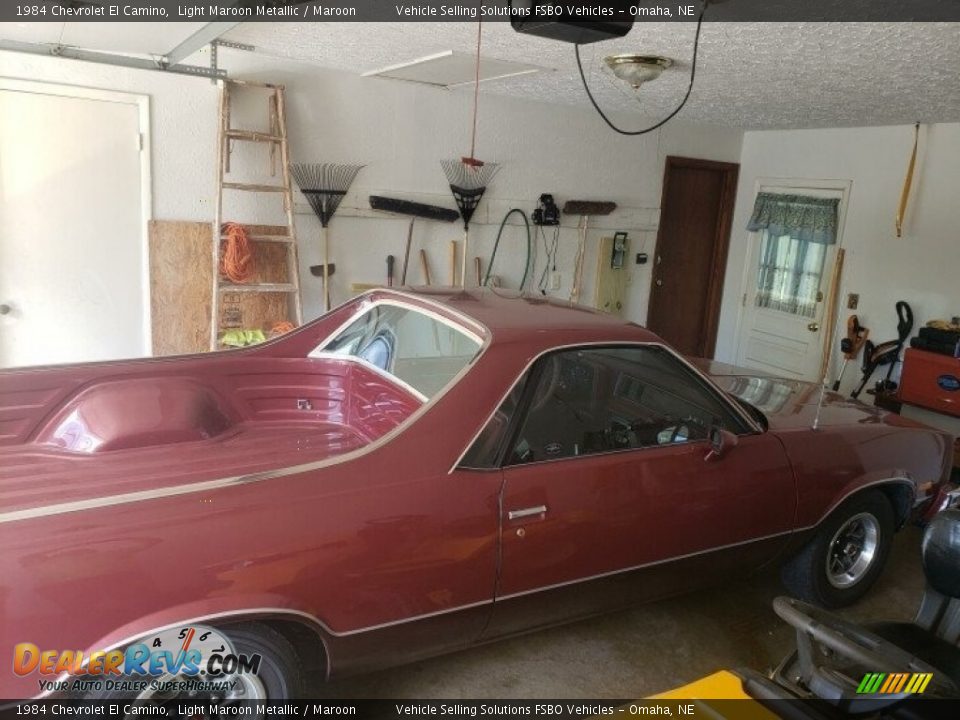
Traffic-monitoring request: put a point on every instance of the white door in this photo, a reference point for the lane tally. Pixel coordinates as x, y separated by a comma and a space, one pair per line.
73, 285
786, 288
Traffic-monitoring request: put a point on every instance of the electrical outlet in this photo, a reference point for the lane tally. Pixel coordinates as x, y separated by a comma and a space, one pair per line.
853, 299
555, 279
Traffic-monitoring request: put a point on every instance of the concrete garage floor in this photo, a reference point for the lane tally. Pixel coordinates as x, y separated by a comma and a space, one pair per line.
638, 652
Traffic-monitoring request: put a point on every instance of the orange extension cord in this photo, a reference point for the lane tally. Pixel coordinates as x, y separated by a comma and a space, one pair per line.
236, 258
279, 328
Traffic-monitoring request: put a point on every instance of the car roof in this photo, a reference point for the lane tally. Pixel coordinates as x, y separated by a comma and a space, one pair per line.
508, 313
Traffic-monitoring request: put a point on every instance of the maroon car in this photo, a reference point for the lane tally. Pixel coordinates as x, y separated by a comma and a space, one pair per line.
410, 474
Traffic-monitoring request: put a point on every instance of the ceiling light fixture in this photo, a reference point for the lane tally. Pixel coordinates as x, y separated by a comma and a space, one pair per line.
673, 113
637, 69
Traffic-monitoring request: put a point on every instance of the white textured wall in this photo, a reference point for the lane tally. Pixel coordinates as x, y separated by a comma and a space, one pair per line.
921, 267
402, 131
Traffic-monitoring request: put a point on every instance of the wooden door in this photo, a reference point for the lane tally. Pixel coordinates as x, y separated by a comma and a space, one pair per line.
691, 256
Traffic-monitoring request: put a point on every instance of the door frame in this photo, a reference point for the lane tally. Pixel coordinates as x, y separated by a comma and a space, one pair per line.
142, 104
721, 245
784, 185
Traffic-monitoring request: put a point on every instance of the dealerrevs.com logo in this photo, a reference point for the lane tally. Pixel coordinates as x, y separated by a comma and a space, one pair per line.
192, 658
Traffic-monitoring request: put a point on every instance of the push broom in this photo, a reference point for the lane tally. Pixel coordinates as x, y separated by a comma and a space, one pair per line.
469, 177
324, 185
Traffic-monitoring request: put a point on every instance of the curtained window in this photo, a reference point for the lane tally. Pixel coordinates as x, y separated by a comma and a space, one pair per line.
795, 233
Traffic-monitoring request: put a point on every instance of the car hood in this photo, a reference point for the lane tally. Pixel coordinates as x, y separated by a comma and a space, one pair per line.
789, 404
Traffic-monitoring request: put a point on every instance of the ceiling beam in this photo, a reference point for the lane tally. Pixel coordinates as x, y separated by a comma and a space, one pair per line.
72, 53
200, 39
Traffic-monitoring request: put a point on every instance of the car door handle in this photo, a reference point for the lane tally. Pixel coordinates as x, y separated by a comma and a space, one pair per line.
527, 512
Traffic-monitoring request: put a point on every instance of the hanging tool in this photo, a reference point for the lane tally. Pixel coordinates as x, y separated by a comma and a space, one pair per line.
324, 185
415, 210
453, 263
468, 181
583, 208
907, 183
830, 316
390, 261
469, 177
850, 345
886, 353
424, 267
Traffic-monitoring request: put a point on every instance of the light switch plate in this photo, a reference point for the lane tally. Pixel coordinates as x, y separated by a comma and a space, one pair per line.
853, 299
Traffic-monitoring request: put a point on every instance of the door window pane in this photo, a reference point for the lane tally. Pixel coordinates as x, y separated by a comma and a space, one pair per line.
486, 450
788, 277
606, 399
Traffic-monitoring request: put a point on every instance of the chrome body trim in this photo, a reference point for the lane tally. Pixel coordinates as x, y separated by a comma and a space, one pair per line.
493, 600
527, 512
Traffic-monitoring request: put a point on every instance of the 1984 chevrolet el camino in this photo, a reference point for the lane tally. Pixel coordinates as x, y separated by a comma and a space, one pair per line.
416, 472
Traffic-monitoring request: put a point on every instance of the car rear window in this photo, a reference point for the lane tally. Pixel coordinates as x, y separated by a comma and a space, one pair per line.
421, 350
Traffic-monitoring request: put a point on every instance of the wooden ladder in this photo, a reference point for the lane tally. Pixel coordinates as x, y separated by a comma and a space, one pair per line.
285, 235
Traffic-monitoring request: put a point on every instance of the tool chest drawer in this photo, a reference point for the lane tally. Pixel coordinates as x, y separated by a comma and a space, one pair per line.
931, 380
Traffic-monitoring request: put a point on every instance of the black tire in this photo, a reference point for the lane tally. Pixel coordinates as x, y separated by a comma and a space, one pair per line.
806, 575
280, 668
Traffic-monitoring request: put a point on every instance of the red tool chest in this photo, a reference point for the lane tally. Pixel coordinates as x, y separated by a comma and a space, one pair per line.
931, 381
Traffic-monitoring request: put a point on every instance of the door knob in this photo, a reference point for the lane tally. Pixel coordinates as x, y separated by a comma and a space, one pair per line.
813, 327
659, 282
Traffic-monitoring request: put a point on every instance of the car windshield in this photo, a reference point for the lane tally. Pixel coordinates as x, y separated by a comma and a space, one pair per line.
420, 350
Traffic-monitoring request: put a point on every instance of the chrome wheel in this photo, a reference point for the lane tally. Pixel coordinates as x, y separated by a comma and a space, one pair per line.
243, 686
852, 550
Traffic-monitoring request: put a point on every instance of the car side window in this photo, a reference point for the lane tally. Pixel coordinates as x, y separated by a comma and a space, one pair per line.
485, 452
596, 400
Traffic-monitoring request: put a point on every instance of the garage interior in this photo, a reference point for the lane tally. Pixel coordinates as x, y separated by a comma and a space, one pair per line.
111, 187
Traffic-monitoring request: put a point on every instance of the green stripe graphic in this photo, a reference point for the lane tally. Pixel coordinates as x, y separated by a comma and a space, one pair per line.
871, 683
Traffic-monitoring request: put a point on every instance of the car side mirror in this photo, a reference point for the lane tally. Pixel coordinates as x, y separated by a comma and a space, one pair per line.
722, 441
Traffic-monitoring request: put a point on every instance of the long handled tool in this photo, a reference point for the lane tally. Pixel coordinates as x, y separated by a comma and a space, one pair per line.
583, 208
415, 210
850, 346
469, 177
324, 185
424, 267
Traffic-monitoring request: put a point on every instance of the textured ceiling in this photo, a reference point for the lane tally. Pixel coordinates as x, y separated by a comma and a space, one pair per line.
749, 75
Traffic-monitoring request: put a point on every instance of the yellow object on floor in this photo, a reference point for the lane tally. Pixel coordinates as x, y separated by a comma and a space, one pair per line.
722, 685
711, 694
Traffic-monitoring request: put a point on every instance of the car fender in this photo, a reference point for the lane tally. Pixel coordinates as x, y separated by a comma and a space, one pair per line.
899, 487
216, 612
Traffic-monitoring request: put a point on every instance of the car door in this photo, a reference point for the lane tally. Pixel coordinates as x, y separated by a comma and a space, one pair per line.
611, 495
